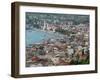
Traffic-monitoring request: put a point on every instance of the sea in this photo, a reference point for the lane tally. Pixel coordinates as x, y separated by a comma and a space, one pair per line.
38, 36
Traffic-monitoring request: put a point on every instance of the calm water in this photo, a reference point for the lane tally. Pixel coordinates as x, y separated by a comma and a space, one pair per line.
38, 36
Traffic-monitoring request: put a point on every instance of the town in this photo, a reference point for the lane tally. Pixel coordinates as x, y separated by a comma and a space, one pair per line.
69, 44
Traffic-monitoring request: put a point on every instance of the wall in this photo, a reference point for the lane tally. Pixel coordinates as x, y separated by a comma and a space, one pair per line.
5, 40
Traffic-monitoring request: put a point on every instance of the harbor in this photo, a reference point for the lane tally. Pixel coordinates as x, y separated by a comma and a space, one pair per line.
57, 42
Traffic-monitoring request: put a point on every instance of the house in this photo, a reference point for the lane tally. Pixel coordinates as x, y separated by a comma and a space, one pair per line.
70, 51
33, 49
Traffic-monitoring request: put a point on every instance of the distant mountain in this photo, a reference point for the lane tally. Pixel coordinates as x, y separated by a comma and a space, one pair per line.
37, 19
